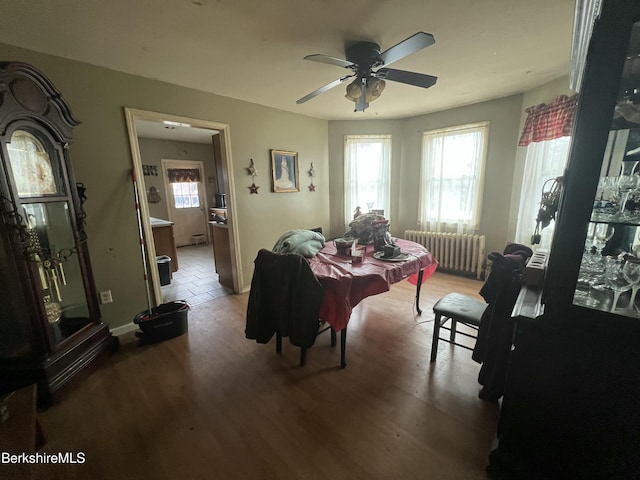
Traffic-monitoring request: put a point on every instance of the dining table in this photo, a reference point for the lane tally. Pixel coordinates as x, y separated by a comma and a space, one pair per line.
346, 283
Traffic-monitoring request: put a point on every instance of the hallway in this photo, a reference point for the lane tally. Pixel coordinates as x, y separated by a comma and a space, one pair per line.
196, 280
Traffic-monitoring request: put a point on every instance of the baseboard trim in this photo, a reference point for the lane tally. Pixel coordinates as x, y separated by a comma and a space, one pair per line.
123, 329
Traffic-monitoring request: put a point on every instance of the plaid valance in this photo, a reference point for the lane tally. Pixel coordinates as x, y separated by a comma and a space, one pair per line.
547, 122
183, 175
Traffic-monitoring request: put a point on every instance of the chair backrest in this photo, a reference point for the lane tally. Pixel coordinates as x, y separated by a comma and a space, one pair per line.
285, 297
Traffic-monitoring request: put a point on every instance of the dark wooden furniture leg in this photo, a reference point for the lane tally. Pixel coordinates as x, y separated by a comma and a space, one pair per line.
436, 335
420, 274
343, 344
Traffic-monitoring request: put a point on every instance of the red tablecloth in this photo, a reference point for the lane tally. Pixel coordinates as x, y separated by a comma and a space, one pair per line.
346, 284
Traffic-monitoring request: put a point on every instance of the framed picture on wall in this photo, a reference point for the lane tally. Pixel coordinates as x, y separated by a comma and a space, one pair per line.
284, 170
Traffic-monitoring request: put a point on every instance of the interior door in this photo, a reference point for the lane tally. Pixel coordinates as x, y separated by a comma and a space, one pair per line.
185, 199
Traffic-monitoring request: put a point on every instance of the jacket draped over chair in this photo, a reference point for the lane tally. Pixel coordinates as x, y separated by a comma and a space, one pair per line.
285, 297
495, 334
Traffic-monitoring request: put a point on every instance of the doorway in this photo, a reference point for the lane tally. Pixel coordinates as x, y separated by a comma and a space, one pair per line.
220, 134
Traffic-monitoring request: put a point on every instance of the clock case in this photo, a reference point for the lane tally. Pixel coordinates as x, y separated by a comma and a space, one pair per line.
50, 328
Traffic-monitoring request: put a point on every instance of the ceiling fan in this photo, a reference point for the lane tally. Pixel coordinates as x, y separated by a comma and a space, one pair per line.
368, 66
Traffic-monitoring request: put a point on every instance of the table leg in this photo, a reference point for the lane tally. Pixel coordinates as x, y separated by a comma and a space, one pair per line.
418, 285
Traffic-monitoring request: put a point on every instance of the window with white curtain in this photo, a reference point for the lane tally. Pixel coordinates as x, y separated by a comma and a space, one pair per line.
452, 177
545, 161
546, 134
367, 172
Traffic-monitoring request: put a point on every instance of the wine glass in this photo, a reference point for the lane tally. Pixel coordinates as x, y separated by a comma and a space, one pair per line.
588, 242
603, 233
615, 279
631, 272
605, 198
627, 182
591, 270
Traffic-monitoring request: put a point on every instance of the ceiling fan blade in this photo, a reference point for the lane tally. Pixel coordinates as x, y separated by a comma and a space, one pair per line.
410, 78
406, 47
318, 57
327, 87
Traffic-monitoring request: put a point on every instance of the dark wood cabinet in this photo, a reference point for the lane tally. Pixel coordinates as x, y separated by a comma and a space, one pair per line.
571, 406
222, 253
165, 241
50, 328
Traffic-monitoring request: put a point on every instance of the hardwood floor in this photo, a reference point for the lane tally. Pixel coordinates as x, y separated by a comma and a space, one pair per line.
214, 405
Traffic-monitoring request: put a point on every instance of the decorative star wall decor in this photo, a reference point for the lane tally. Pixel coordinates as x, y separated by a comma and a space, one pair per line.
251, 170
312, 173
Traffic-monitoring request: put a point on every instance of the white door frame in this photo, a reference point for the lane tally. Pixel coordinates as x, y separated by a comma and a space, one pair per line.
132, 115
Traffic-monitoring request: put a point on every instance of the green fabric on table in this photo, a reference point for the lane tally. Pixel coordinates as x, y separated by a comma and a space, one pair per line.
303, 242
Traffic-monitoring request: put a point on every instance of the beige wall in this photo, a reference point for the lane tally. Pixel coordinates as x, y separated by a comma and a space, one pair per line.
503, 115
102, 159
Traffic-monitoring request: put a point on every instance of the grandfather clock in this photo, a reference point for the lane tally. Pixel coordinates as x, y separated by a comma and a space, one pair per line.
50, 328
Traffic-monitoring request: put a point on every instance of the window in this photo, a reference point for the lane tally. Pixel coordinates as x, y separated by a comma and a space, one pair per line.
367, 167
452, 177
546, 134
186, 195
545, 160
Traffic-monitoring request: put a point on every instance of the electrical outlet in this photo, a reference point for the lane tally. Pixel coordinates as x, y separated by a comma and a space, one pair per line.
105, 297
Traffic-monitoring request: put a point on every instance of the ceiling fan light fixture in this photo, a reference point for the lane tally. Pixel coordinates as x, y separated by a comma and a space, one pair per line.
375, 86
354, 90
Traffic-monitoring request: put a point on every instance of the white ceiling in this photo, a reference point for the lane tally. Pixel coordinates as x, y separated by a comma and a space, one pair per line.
253, 50
176, 133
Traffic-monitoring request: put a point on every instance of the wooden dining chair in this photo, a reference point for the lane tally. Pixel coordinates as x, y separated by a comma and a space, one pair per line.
284, 300
491, 320
456, 308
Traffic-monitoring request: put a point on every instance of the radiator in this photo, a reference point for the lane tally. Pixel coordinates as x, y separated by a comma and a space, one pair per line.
455, 252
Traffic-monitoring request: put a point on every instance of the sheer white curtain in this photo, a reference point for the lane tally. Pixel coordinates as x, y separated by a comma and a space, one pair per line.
451, 178
545, 160
367, 172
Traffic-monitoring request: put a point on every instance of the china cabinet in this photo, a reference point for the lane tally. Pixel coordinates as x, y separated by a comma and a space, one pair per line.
571, 408
50, 328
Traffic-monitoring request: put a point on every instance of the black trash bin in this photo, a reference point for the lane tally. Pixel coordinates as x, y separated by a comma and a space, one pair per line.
164, 269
